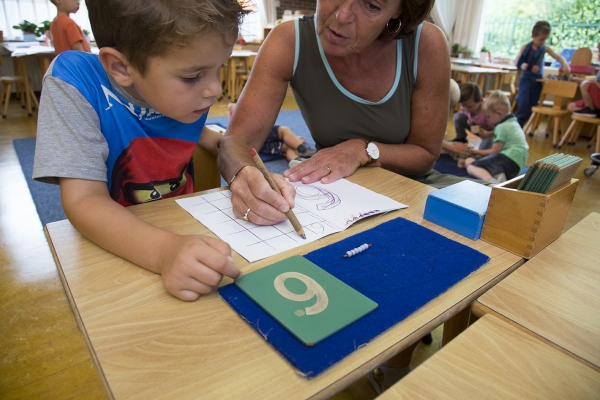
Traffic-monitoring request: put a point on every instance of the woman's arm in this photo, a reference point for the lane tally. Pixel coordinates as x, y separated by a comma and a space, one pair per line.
429, 112
252, 120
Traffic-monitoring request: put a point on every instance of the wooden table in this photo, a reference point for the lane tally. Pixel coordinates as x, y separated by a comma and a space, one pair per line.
148, 344
556, 295
467, 73
493, 359
236, 57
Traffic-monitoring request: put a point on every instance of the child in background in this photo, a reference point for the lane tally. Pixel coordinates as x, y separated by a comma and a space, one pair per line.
65, 33
282, 142
589, 106
472, 117
531, 61
509, 151
120, 128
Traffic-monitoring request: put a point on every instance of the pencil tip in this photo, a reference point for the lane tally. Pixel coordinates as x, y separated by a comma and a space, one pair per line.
303, 236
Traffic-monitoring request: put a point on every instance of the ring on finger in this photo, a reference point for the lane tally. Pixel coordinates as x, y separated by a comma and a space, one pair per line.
328, 169
246, 214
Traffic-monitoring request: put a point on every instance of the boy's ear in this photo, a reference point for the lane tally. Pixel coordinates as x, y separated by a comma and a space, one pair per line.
115, 63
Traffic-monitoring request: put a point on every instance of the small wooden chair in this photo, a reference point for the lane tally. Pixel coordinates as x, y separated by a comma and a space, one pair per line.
563, 92
573, 132
206, 173
18, 82
510, 79
243, 75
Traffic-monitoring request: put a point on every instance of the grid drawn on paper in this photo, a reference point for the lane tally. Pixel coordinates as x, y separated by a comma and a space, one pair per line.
215, 211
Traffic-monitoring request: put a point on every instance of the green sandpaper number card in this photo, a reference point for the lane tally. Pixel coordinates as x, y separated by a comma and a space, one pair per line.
308, 301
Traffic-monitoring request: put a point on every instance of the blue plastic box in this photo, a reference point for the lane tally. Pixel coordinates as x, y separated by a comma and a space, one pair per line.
460, 207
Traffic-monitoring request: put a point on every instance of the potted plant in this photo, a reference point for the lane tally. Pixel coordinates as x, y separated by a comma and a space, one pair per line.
44, 29
465, 51
484, 56
29, 30
454, 50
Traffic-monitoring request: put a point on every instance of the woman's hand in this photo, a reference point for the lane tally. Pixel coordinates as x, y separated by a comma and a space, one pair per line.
330, 164
253, 198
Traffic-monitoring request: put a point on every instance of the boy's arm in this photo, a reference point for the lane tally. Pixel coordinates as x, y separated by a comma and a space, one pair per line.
496, 148
190, 265
560, 59
519, 56
210, 140
77, 46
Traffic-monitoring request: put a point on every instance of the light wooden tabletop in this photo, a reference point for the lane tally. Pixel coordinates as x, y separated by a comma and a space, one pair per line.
146, 343
556, 294
493, 359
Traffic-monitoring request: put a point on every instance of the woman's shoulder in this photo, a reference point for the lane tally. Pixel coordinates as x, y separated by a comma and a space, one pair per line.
432, 38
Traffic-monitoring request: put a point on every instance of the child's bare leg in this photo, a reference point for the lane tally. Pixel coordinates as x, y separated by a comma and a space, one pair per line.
288, 138
573, 107
586, 96
478, 172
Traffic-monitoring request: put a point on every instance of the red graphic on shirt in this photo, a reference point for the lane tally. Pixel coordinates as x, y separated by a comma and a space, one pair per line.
152, 169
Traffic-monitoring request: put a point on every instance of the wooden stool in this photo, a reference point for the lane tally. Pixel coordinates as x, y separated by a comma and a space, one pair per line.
19, 83
575, 127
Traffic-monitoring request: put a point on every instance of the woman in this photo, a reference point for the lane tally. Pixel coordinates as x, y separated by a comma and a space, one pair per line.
373, 86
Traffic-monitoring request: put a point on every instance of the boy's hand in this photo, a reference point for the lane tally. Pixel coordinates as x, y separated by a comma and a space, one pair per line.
194, 265
535, 69
524, 66
485, 134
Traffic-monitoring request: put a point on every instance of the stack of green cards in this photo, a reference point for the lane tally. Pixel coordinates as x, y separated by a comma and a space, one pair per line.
549, 173
308, 301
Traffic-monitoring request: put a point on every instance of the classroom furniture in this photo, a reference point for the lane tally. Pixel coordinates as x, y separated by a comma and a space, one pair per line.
554, 296
578, 121
146, 343
22, 87
243, 75
581, 63
469, 73
493, 359
510, 81
561, 92
238, 59
206, 173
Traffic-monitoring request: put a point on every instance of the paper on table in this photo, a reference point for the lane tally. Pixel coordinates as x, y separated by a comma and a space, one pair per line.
321, 210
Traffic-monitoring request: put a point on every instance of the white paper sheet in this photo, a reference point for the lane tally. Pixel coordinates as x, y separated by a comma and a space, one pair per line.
321, 210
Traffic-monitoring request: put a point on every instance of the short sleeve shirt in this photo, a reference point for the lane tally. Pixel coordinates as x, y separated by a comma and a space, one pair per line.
65, 33
510, 133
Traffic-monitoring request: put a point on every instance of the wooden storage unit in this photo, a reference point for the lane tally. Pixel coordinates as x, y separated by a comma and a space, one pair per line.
525, 222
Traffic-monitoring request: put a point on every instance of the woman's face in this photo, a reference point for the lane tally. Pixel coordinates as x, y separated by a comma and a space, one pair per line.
350, 26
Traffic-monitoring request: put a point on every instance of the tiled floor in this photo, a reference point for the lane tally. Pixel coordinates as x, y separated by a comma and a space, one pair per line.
43, 353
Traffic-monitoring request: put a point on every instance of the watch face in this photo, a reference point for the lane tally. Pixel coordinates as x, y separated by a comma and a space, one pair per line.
373, 151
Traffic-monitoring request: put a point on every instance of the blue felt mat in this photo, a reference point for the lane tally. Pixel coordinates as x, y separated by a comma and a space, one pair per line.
407, 266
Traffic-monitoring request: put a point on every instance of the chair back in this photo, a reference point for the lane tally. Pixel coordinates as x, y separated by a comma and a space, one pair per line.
582, 57
206, 173
561, 90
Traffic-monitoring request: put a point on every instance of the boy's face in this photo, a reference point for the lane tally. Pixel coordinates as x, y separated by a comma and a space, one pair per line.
471, 106
184, 82
494, 117
539, 40
68, 6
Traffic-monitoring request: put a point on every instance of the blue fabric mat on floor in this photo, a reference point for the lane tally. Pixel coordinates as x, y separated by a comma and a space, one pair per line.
407, 266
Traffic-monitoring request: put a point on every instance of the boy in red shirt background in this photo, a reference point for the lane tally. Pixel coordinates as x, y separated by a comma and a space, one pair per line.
65, 33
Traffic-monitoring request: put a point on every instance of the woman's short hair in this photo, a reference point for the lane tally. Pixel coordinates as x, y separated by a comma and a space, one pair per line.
497, 101
146, 28
413, 12
470, 90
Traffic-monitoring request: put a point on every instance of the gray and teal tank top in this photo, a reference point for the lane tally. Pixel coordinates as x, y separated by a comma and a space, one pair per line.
332, 113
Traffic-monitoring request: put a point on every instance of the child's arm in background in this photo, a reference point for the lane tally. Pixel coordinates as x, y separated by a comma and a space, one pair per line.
561, 60
496, 148
524, 65
190, 265
210, 140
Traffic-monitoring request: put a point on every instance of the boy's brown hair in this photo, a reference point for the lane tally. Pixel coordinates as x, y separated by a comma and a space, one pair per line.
541, 28
146, 28
497, 101
470, 90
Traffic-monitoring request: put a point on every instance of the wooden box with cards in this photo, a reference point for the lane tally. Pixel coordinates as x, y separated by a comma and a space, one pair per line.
525, 222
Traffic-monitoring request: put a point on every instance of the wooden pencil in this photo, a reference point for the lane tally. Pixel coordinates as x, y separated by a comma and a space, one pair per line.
290, 214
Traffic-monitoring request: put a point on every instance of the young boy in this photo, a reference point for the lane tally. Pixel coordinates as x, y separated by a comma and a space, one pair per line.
282, 142
589, 106
509, 151
471, 116
531, 62
120, 128
65, 33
